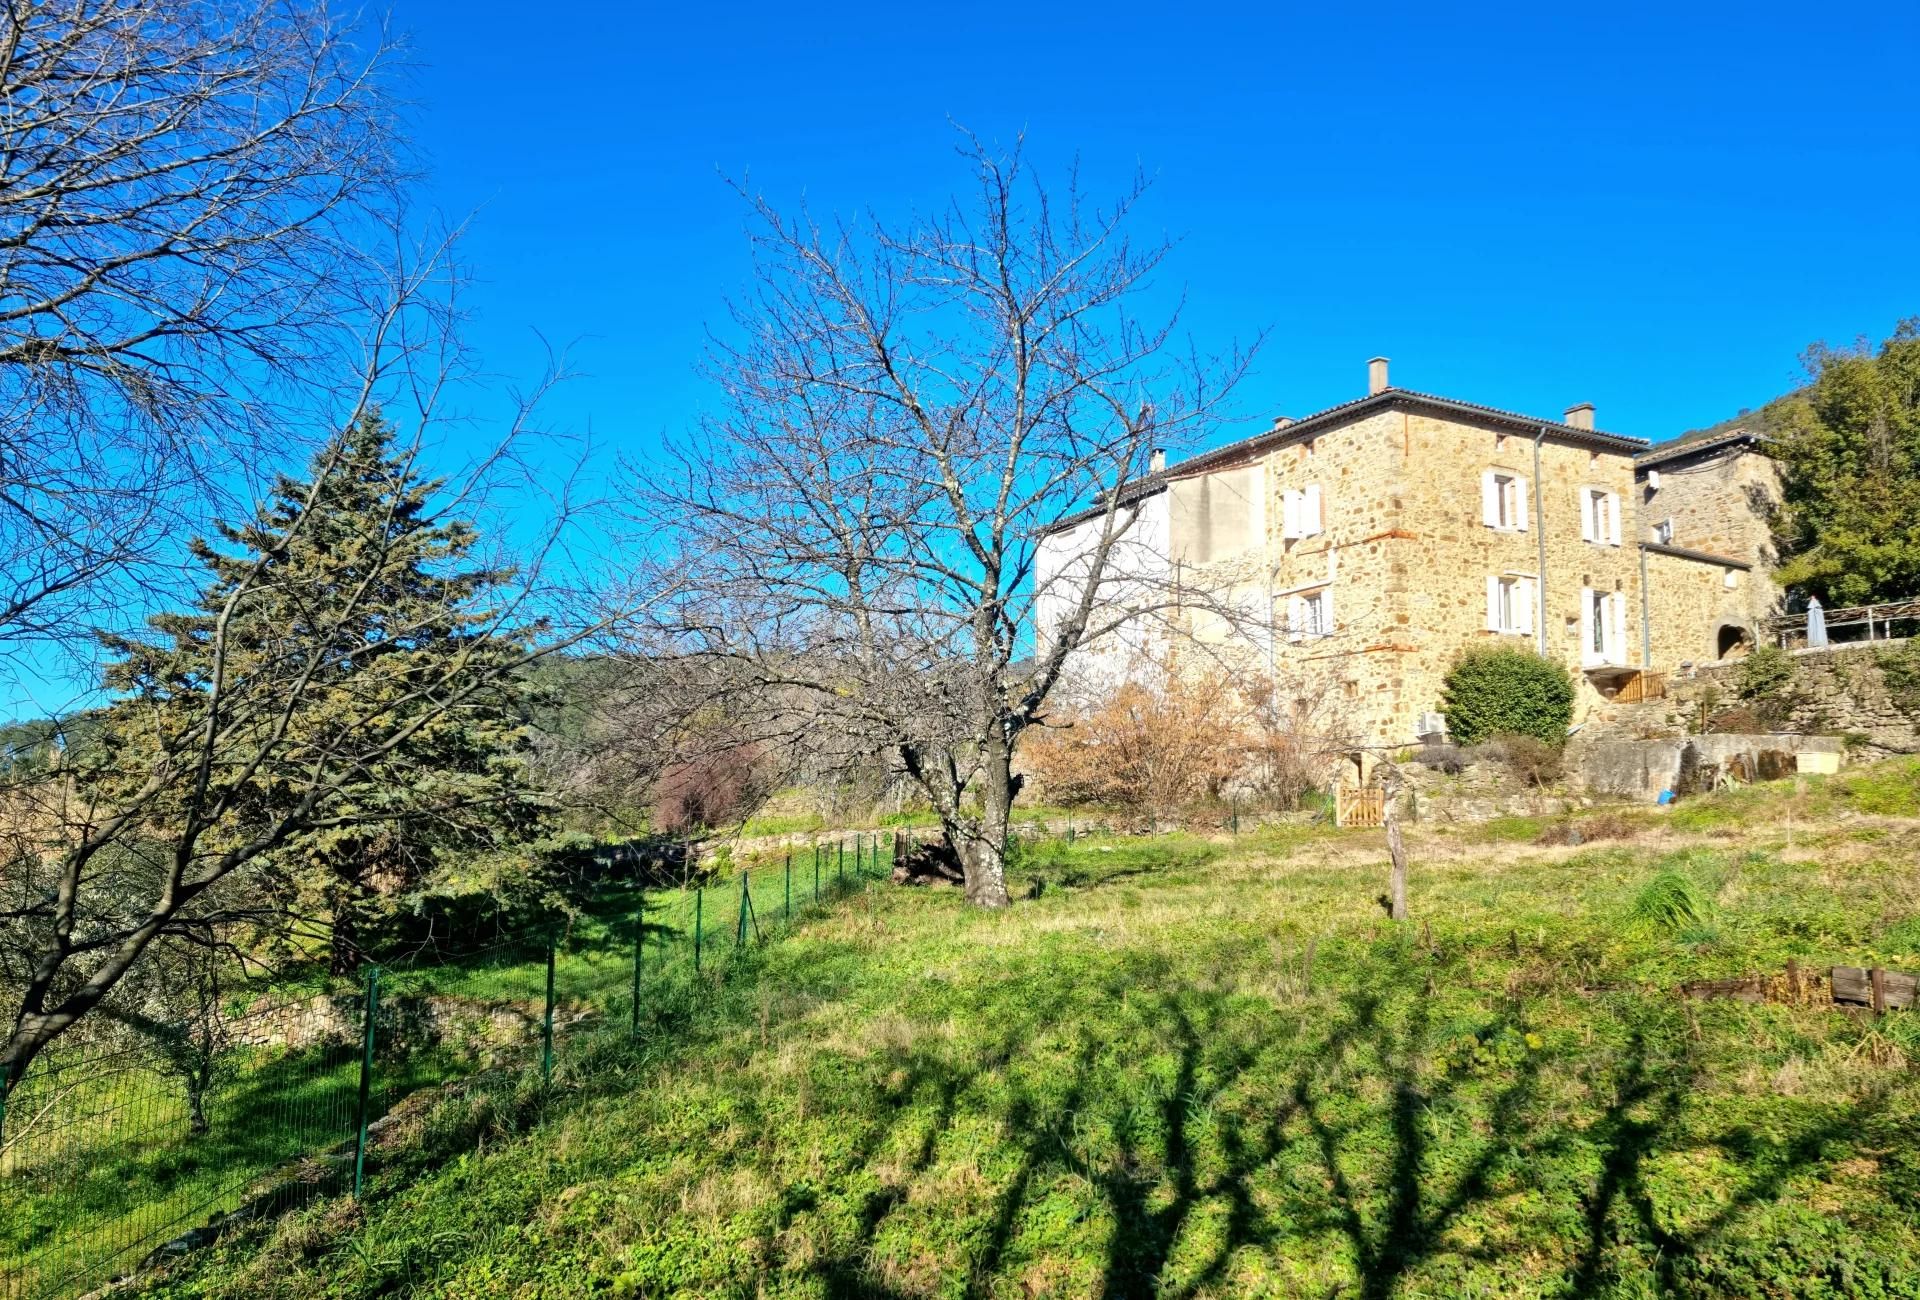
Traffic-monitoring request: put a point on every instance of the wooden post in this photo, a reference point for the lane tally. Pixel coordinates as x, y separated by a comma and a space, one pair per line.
1878, 979
1396, 847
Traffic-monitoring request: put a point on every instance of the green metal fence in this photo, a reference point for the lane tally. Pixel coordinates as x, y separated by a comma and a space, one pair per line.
117, 1145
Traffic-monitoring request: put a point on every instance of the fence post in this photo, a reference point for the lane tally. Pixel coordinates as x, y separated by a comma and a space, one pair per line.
816, 871
740, 933
369, 1014
1069, 828
697, 927
789, 882
546, 1024
639, 944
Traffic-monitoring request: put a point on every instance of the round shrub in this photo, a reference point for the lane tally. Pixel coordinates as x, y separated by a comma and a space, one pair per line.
1496, 691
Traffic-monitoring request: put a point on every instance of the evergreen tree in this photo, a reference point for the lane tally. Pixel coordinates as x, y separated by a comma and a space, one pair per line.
344, 614
1850, 455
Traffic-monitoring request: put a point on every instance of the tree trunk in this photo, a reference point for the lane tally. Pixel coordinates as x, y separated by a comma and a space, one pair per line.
1396, 849
984, 854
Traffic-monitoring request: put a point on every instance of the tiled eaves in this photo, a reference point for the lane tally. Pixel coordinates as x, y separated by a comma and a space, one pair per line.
1320, 421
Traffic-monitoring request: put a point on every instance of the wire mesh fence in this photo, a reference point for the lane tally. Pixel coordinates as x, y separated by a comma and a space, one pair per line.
119, 1144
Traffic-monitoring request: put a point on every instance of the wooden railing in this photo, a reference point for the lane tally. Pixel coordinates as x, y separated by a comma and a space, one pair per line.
1642, 686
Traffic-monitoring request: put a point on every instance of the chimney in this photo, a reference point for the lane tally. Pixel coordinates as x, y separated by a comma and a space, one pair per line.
1580, 417
1376, 375
1281, 422
1157, 460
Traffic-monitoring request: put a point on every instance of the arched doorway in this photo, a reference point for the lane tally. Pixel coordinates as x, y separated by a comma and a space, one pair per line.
1735, 641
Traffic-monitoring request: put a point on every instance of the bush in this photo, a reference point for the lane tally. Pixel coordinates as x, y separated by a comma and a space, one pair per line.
1766, 674
1532, 760
1504, 692
1901, 670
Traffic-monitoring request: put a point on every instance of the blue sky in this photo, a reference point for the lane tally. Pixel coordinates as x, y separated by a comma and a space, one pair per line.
1651, 211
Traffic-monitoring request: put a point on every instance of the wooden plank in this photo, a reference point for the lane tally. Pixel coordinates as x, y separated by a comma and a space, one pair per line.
1855, 985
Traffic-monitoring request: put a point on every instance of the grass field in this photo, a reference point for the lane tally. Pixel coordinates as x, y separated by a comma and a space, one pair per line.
1187, 1067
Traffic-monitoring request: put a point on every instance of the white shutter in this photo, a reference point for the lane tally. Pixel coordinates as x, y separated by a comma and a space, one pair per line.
1520, 502
1289, 514
1586, 625
1523, 605
1311, 521
1617, 634
1613, 518
1326, 611
1296, 617
1588, 532
1493, 603
1489, 500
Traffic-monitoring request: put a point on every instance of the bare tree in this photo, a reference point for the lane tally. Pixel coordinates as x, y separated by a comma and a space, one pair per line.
192, 197
906, 409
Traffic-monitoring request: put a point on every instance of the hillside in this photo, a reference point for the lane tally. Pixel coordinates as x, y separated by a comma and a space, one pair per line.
1209, 1068
1773, 417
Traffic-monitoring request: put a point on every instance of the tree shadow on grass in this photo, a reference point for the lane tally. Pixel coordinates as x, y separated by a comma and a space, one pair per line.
1368, 1128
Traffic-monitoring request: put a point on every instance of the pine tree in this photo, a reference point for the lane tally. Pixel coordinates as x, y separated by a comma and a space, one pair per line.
344, 614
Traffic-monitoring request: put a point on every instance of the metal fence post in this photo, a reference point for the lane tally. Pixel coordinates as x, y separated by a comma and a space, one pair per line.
740, 931
816, 871
789, 882
639, 946
369, 1015
697, 928
546, 1026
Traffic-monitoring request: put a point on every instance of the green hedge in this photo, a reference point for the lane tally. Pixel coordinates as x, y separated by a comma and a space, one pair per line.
1501, 692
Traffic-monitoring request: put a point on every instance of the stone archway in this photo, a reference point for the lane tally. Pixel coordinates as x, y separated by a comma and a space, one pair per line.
1733, 641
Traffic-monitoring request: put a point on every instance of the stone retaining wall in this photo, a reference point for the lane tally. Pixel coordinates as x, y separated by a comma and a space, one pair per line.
1838, 691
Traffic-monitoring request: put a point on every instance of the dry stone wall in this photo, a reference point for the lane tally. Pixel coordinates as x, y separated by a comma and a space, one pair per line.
1838, 691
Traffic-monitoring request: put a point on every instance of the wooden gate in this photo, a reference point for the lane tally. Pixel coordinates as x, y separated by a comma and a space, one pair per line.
1366, 806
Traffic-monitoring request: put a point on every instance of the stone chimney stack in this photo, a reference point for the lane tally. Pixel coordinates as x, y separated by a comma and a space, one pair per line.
1376, 375
1581, 416
1157, 460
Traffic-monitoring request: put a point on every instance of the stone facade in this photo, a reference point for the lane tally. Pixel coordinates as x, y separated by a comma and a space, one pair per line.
1348, 558
1715, 497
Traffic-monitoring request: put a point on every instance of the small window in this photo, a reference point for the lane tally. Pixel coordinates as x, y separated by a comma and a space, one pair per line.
1510, 604
1731, 579
1597, 623
1302, 513
1663, 532
1310, 616
1599, 516
1503, 500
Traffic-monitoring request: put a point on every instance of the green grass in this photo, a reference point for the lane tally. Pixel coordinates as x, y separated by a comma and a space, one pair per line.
1188, 1067
103, 1166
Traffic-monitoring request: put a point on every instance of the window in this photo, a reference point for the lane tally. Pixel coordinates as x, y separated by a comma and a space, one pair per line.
1510, 603
1503, 500
1663, 532
1310, 615
1599, 516
1301, 514
1603, 620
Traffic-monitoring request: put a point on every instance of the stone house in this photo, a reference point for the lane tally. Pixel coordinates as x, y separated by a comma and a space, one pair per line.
1702, 501
1347, 557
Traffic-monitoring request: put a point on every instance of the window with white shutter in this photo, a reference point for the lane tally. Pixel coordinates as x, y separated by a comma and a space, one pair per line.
1510, 604
1312, 521
1503, 501
1600, 516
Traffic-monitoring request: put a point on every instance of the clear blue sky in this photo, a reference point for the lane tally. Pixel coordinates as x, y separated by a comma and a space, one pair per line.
1652, 211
